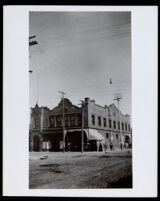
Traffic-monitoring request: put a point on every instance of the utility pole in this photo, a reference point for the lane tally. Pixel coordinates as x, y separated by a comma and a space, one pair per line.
37, 86
118, 97
31, 43
63, 121
82, 139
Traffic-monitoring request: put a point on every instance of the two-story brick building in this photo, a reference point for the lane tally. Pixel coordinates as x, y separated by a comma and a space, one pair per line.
101, 126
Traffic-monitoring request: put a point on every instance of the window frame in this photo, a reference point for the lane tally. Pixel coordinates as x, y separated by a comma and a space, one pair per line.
122, 126
105, 122
35, 123
110, 123
114, 124
99, 121
93, 119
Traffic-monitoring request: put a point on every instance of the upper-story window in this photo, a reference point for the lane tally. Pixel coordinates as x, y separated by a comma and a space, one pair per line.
114, 124
99, 121
118, 125
59, 121
110, 123
117, 136
93, 120
79, 119
107, 135
66, 120
114, 114
36, 122
122, 126
51, 120
72, 120
126, 126
104, 121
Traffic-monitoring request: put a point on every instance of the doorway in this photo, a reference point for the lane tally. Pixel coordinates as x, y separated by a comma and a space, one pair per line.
36, 143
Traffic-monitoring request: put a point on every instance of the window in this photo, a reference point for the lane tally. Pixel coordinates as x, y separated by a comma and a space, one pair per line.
51, 120
118, 125
36, 122
79, 119
110, 124
107, 136
128, 127
93, 120
72, 120
122, 126
114, 124
117, 136
125, 126
99, 121
58, 120
104, 121
114, 114
66, 120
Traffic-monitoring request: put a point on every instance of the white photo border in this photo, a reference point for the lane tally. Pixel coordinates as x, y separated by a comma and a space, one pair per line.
144, 20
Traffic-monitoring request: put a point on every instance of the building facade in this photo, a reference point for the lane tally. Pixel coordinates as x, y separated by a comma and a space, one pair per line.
101, 128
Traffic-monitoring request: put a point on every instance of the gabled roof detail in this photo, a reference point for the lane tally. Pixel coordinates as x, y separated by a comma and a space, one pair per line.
67, 105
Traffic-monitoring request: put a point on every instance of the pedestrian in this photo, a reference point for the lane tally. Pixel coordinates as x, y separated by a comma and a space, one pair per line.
111, 146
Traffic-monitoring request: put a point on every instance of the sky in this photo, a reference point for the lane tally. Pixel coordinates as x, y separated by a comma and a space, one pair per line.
78, 53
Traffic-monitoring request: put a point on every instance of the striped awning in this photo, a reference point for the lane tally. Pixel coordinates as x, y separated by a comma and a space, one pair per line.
95, 135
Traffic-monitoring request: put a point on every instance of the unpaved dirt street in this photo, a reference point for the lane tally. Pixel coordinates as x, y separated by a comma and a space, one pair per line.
73, 170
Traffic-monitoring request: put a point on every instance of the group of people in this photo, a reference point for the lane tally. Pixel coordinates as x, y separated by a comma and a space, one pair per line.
100, 147
111, 146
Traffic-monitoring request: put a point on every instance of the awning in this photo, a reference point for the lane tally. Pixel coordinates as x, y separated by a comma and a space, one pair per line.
73, 130
95, 135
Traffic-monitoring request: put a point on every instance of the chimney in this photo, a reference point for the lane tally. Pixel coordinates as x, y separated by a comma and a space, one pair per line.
87, 100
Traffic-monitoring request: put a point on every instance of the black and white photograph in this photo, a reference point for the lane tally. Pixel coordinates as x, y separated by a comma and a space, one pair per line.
80, 101
80, 133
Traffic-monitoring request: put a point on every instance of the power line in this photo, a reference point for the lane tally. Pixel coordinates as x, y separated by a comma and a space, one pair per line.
72, 42
90, 30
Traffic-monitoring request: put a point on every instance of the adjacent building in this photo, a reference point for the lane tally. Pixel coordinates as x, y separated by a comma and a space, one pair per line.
102, 126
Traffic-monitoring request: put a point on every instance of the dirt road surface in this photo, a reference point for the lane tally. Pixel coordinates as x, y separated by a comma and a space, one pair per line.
73, 170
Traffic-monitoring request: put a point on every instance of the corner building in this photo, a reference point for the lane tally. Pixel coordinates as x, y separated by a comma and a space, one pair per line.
101, 127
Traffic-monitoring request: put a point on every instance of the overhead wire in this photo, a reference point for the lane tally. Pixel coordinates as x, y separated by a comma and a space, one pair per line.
84, 40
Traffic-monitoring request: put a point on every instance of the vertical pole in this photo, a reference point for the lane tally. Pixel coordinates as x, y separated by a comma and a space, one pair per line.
63, 125
82, 127
117, 98
42, 120
63, 120
37, 86
119, 124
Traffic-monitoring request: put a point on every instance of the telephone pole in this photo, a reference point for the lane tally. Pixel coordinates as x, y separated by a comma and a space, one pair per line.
118, 97
63, 120
82, 139
31, 43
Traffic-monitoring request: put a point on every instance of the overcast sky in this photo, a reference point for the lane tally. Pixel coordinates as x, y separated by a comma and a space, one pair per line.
78, 52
